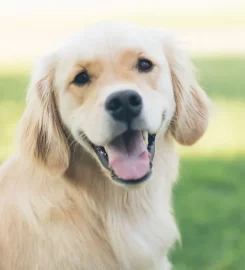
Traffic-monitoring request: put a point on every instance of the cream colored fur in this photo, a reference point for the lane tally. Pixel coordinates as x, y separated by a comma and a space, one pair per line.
59, 209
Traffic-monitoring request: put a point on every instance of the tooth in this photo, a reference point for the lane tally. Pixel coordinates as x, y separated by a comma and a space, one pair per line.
145, 136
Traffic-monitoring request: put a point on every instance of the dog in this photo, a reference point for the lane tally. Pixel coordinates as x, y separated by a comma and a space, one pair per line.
89, 186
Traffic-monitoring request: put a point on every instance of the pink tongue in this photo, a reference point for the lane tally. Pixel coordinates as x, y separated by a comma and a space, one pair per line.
128, 156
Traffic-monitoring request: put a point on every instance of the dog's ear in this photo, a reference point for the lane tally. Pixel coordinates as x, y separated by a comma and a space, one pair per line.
192, 104
42, 138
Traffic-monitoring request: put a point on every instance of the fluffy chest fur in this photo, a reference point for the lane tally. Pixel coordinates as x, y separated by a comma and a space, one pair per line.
110, 241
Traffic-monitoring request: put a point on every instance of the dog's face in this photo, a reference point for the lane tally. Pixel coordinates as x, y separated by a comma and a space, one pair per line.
116, 87
114, 93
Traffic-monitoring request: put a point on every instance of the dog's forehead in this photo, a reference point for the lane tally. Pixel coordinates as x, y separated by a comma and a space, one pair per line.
110, 40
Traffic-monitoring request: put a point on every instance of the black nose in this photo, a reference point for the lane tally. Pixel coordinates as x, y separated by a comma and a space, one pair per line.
124, 105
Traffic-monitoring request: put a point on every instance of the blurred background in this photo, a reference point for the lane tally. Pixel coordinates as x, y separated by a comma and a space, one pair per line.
209, 199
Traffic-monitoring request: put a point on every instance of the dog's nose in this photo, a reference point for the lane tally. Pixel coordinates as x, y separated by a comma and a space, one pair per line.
124, 105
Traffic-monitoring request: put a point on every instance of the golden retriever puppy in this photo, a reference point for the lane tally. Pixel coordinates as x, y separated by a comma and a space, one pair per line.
90, 185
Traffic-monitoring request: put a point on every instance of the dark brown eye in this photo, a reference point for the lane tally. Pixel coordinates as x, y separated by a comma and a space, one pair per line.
144, 65
82, 78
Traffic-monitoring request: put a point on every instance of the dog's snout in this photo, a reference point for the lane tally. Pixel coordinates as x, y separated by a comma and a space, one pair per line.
124, 105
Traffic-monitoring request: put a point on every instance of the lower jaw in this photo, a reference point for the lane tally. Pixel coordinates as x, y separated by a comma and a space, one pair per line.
130, 181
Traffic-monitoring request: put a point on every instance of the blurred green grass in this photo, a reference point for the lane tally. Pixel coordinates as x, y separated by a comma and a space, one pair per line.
222, 77
209, 204
12, 101
209, 199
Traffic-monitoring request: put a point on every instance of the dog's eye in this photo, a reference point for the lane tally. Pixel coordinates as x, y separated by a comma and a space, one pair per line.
81, 78
144, 65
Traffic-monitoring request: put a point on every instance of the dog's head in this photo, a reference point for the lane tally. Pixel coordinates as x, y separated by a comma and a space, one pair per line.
112, 88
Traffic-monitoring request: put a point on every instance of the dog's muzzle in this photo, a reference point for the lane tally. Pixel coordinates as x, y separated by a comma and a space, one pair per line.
128, 155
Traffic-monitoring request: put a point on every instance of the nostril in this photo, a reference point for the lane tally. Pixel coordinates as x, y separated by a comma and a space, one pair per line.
114, 105
135, 101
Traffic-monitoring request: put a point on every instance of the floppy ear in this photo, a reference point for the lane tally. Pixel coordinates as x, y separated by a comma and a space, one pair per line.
42, 138
192, 105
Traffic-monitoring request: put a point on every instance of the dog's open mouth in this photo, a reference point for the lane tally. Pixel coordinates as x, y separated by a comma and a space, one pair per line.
128, 156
